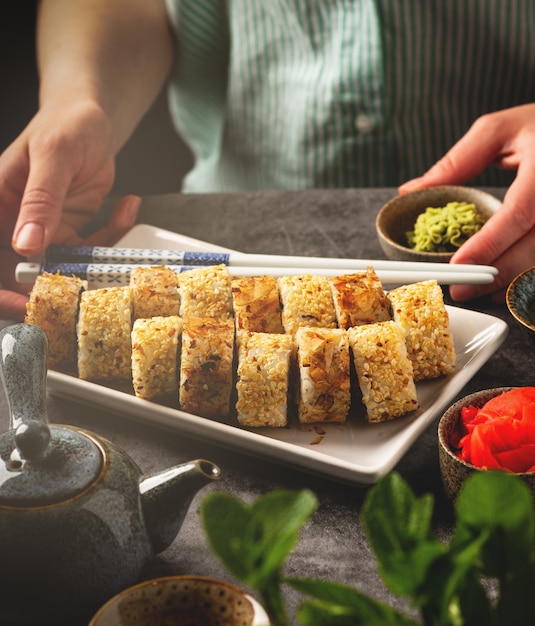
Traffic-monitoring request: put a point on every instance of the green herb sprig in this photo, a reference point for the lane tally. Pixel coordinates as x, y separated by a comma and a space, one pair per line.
484, 576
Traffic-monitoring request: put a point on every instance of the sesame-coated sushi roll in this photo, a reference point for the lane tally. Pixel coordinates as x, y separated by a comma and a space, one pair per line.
53, 306
104, 334
155, 355
206, 292
419, 310
384, 370
359, 299
306, 301
154, 291
256, 304
206, 366
324, 382
263, 372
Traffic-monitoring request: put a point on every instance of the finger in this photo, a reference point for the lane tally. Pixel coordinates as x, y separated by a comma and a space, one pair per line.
515, 259
13, 177
41, 205
466, 159
12, 305
510, 224
465, 293
122, 219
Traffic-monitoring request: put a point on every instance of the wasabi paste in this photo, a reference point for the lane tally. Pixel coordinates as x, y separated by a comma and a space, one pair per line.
444, 229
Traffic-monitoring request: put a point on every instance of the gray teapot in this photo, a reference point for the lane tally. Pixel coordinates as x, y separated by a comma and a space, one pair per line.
78, 520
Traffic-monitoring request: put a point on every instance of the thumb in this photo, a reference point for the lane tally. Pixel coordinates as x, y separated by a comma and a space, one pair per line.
39, 215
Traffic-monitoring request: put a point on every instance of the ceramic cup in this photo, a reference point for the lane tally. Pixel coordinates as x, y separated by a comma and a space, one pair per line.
181, 601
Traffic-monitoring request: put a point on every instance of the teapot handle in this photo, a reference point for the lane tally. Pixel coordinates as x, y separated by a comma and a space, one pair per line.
23, 368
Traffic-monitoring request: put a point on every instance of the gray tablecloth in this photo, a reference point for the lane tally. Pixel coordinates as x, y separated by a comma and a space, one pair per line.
319, 223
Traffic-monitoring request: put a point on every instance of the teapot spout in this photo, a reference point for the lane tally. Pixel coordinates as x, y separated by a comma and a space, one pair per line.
166, 497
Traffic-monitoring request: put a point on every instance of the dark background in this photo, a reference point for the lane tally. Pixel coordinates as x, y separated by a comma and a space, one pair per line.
153, 161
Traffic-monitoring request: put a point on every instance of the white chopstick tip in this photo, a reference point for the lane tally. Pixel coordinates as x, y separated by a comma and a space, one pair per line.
26, 273
467, 267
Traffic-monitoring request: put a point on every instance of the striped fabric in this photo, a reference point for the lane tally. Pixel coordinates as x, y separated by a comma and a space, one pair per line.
293, 94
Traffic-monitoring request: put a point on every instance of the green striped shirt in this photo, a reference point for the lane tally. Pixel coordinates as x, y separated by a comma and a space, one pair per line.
295, 94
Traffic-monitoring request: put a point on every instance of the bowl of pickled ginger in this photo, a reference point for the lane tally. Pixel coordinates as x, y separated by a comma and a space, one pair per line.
488, 430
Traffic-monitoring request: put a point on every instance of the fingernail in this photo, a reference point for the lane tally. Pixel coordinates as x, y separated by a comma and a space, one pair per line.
30, 237
410, 185
464, 261
134, 206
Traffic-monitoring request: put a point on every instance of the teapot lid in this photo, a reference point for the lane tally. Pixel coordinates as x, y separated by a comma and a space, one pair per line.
71, 462
39, 464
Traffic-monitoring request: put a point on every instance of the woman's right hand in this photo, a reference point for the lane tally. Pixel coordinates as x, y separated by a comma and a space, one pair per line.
53, 179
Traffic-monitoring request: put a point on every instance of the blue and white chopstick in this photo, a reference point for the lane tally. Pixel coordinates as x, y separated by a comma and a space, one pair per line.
149, 256
118, 274
133, 256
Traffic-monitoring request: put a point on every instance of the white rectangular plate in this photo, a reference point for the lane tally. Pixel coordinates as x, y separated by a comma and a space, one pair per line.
356, 451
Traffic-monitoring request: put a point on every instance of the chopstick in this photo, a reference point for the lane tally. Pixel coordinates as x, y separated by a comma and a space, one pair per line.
149, 256
106, 275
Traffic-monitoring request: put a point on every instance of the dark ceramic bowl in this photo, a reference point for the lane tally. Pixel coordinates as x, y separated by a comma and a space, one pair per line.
455, 471
399, 215
520, 298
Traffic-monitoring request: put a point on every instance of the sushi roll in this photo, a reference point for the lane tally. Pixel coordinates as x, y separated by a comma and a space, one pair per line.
324, 374
53, 306
206, 292
359, 299
154, 291
104, 334
263, 373
306, 301
384, 370
420, 312
155, 356
206, 366
256, 304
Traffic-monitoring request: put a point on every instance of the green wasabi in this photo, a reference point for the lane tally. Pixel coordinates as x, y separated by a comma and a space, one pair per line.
444, 229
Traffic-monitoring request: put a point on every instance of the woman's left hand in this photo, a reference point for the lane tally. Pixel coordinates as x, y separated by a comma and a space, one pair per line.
507, 241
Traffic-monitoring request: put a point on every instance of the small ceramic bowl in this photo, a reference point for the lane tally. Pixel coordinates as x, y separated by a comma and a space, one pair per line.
175, 600
455, 471
520, 298
399, 215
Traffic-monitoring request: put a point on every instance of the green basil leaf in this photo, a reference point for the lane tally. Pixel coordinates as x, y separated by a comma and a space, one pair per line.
398, 526
339, 605
223, 516
500, 505
452, 591
253, 541
316, 614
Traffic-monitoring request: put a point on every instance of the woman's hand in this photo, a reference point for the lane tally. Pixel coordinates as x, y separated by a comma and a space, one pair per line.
13, 296
53, 179
506, 139
55, 175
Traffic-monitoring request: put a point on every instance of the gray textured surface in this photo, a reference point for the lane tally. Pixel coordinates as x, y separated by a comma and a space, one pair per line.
324, 223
